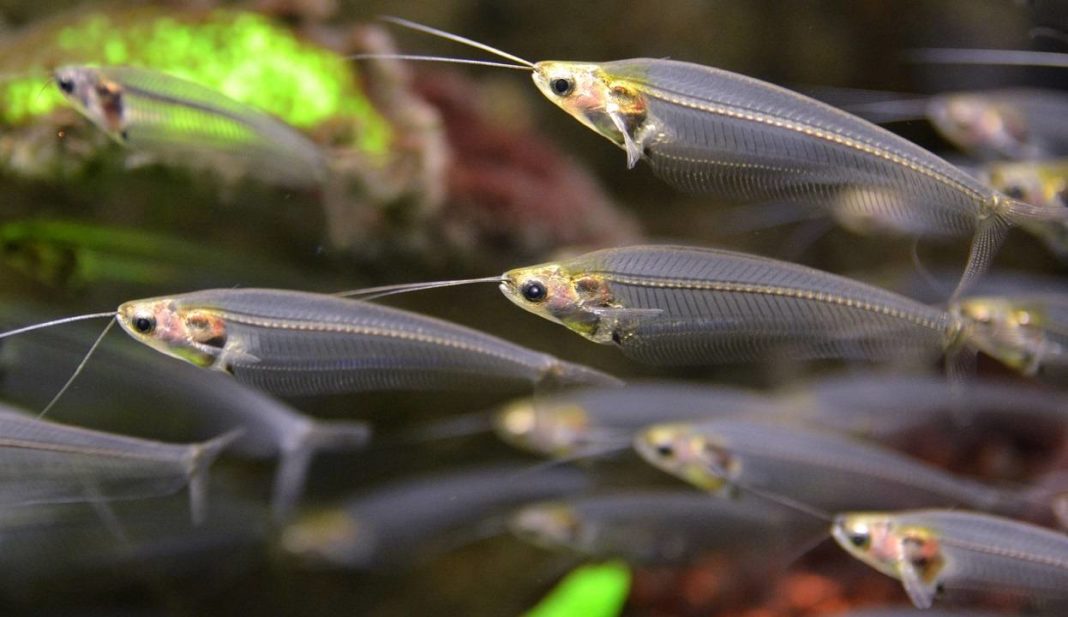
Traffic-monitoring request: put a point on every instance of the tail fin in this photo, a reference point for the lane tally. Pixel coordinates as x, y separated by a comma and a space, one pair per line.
203, 456
989, 235
564, 373
292, 469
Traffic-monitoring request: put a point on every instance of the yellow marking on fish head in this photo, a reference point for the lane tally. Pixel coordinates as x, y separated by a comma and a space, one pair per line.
1010, 333
559, 295
1042, 184
1020, 181
95, 97
676, 449
555, 430
329, 536
549, 525
195, 335
607, 105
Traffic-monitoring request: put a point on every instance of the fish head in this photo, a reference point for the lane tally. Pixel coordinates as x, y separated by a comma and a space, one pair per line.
685, 454
196, 335
548, 525
978, 123
1040, 184
870, 537
329, 537
553, 291
1023, 182
1007, 330
97, 98
592, 95
553, 429
883, 543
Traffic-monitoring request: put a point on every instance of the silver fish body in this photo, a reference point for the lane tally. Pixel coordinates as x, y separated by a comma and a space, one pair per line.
291, 342
171, 401
395, 525
184, 122
45, 462
659, 526
674, 305
588, 419
946, 551
813, 466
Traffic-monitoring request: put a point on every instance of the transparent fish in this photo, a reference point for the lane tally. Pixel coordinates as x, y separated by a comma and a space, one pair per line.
171, 402
291, 342
394, 525
658, 526
180, 120
813, 466
707, 130
677, 306
672, 305
45, 462
587, 420
933, 552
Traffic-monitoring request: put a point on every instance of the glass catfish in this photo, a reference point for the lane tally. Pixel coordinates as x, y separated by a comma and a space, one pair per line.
673, 305
291, 342
172, 118
298, 343
935, 552
707, 130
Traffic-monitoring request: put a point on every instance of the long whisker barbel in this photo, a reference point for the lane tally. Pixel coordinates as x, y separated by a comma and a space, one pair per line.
411, 25
444, 59
370, 293
56, 322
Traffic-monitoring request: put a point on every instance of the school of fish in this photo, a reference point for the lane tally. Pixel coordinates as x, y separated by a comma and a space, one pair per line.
740, 429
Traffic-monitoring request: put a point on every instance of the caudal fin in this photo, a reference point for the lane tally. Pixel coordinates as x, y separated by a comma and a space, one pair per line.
202, 458
293, 465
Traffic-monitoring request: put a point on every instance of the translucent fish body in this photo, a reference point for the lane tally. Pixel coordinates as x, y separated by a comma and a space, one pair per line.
688, 306
946, 551
301, 343
162, 115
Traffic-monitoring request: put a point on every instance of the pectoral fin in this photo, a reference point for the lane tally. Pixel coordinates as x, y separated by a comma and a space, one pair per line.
634, 151
625, 314
920, 592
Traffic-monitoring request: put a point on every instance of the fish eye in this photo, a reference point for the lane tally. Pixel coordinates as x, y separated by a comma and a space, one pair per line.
665, 450
144, 325
65, 84
1015, 191
562, 86
533, 291
859, 539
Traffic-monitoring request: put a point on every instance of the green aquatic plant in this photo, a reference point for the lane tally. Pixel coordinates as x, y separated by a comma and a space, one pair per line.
597, 590
240, 54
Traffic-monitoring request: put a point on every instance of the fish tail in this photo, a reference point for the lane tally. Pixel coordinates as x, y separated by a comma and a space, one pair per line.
203, 456
989, 235
295, 460
569, 374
